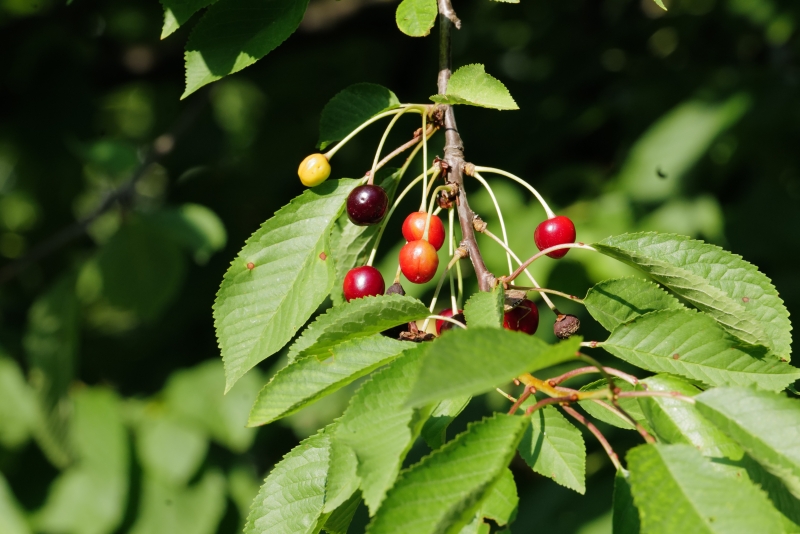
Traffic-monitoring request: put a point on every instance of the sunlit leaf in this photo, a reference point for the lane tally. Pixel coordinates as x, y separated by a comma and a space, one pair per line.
498, 505
258, 310
339, 520
177, 12
416, 17
435, 429
19, 412
613, 302
472, 86
168, 449
350, 108
12, 519
602, 411
625, 518
485, 308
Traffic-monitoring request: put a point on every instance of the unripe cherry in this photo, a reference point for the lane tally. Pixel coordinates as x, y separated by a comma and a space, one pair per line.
362, 282
418, 261
414, 228
523, 318
555, 231
314, 170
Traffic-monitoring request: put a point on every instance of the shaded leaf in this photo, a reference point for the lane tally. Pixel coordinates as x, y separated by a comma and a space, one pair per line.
693, 345
469, 362
19, 412
602, 411
291, 499
625, 519
234, 34
485, 309
618, 301
350, 108
416, 17
444, 490
339, 521
195, 227
498, 505
307, 380
177, 12
766, 425
678, 490
717, 282
472, 86
554, 447
169, 450
434, 432
257, 311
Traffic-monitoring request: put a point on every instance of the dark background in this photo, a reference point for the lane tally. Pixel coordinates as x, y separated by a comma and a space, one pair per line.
630, 119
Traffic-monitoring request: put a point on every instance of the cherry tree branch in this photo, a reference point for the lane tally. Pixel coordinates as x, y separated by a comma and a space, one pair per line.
454, 149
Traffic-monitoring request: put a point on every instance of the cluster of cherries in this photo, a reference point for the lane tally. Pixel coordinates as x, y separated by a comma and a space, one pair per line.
367, 205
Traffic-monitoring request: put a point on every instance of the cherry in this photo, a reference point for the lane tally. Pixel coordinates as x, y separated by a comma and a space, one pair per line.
418, 261
366, 204
523, 318
555, 231
314, 170
414, 228
442, 325
362, 282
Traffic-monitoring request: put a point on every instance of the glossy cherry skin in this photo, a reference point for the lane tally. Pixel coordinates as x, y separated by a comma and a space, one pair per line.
363, 282
442, 325
552, 232
414, 228
523, 318
314, 170
418, 261
366, 205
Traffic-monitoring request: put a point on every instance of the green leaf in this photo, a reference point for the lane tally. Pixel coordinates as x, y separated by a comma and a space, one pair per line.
12, 518
355, 319
476, 360
499, 505
177, 12
677, 421
234, 34
169, 450
678, 490
485, 309
19, 412
443, 491
766, 425
660, 3
600, 409
168, 509
339, 521
350, 244
416, 17
292, 497
379, 428
343, 480
194, 227
435, 430
625, 519
693, 345
717, 282
307, 380
618, 301
472, 86
553, 447
257, 311
196, 396
352, 107
141, 269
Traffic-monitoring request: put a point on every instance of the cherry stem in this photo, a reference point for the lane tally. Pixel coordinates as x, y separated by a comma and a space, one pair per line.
485, 184
530, 276
397, 275
443, 318
552, 400
450, 250
430, 209
460, 253
665, 394
424, 162
522, 182
383, 141
506, 395
405, 146
414, 108
544, 252
551, 291
599, 435
522, 398
588, 370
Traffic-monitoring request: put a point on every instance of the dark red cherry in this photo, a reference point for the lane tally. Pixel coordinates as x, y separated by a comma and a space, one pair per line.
366, 204
442, 325
414, 228
523, 318
418, 261
363, 282
552, 232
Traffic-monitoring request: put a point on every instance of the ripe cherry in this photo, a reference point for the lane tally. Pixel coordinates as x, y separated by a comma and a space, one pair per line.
442, 325
414, 228
366, 204
363, 282
418, 261
523, 318
314, 170
555, 231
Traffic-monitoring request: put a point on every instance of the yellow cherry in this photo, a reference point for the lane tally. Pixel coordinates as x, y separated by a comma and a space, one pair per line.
314, 170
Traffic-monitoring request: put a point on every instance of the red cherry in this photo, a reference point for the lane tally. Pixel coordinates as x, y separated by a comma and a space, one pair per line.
418, 261
362, 282
366, 205
552, 232
414, 228
442, 325
523, 318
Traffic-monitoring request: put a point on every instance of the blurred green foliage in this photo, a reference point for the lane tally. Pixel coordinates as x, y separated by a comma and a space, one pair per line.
112, 417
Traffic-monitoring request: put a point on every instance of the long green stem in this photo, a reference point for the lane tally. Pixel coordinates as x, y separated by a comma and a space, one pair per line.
450, 250
430, 208
457, 256
545, 252
424, 160
443, 318
523, 183
485, 184
383, 141
402, 109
